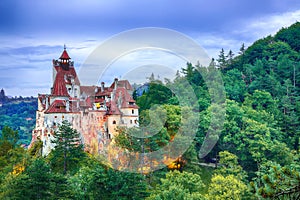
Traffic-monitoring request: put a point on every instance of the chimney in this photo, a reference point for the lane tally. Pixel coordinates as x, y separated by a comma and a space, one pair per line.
102, 86
68, 105
116, 83
47, 102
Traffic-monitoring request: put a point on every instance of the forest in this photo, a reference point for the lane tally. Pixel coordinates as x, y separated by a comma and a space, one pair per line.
256, 154
19, 114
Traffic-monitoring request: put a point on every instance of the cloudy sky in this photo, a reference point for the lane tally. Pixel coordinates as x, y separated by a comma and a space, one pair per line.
33, 32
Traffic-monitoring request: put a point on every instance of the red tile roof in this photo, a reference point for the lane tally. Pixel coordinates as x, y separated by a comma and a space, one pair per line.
126, 99
88, 90
106, 92
59, 86
62, 78
65, 55
58, 106
113, 108
122, 83
86, 103
71, 73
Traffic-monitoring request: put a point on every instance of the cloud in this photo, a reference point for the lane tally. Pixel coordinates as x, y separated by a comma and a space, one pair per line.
263, 26
246, 32
213, 43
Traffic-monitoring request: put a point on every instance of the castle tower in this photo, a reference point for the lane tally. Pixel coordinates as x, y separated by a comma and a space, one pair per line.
65, 80
64, 59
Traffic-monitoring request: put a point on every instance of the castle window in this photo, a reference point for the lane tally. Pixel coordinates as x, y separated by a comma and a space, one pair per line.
132, 111
114, 122
130, 121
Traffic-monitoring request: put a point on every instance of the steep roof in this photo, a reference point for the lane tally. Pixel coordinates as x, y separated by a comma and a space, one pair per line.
65, 55
59, 86
122, 83
126, 99
113, 108
62, 78
58, 106
88, 90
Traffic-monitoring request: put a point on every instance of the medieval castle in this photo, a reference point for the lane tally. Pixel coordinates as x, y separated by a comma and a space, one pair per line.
94, 111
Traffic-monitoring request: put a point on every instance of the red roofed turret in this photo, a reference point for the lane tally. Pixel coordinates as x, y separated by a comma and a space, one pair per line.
64, 55
64, 59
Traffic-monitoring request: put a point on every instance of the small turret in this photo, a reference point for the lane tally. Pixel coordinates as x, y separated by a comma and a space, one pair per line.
64, 59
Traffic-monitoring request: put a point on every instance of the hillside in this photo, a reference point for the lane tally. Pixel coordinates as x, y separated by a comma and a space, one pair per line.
19, 114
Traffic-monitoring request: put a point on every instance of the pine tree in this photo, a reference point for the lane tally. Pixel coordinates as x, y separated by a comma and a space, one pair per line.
68, 149
230, 57
222, 59
242, 49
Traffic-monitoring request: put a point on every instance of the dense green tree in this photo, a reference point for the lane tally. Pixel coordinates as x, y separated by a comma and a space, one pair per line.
222, 61
179, 186
235, 86
226, 187
68, 152
99, 182
35, 181
228, 165
290, 35
278, 182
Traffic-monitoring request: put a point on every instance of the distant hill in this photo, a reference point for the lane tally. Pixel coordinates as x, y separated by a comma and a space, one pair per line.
19, 114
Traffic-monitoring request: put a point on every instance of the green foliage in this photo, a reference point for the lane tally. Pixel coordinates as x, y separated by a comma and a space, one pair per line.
97, 181
228, 165
290, 35
10, 153
235, 86
68, 152
157, 94
179, 186
226, 187
36, 182
276, 181
20, 116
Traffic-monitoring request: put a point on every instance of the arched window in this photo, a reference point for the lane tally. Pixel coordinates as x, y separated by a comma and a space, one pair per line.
132, 111
114, 122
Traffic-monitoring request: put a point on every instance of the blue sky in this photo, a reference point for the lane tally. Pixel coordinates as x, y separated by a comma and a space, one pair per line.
33, 32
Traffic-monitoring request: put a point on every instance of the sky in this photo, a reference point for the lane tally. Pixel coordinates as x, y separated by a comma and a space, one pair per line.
33, 32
